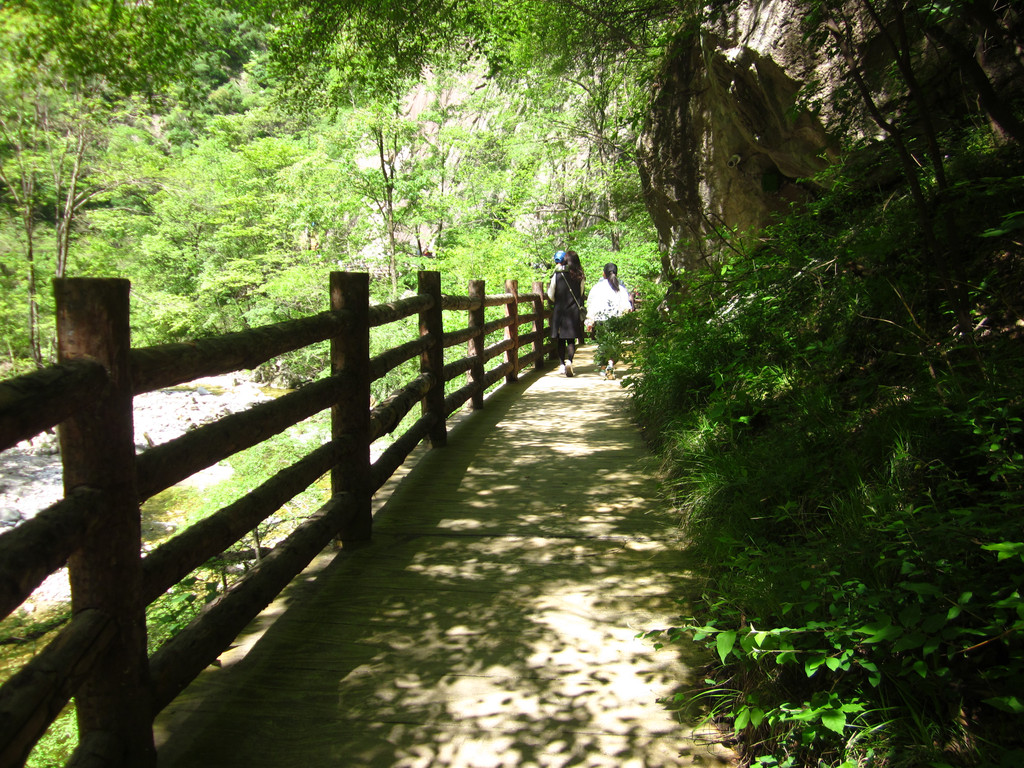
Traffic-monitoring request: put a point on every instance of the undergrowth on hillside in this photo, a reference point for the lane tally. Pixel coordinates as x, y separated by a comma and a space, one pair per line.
850, 469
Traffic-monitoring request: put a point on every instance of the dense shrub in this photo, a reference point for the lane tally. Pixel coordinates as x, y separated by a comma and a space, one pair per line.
851, 471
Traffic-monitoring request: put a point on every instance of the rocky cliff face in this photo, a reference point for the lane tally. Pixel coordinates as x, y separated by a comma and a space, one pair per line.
730, 138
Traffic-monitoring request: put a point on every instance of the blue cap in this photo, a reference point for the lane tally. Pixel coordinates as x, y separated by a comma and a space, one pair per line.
559, 257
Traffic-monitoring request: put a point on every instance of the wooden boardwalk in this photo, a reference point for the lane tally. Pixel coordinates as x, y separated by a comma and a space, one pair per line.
492, 621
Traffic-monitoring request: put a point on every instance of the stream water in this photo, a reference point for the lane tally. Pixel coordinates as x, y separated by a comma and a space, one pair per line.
31, 476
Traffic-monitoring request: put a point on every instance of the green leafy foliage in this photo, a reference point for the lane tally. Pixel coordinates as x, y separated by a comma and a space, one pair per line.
172, 611
145, 47
59, 742
850, 471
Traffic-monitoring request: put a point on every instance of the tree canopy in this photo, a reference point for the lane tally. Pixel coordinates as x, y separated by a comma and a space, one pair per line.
227, 152
834, 394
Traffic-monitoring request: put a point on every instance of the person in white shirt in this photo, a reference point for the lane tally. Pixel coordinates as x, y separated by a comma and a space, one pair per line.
609, 298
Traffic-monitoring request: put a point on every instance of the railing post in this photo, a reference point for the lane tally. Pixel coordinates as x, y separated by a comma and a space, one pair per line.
477, 290
98, 450
512, 331
350, 416
538, 326
432, 361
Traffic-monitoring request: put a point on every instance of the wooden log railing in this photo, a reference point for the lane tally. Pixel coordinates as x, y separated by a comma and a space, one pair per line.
100, 656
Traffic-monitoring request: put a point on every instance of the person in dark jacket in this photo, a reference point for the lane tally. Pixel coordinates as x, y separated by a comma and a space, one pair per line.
566, 291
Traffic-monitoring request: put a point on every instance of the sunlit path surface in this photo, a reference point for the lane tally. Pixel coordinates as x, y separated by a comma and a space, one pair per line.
492, 621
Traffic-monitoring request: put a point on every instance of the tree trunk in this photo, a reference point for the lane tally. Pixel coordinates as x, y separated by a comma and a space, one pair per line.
387, 170
23, 190
999, 27
999, 112
900, 49
66, 207
33, 310
940, 260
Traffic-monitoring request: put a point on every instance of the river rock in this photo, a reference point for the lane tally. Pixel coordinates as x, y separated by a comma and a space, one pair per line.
31, 476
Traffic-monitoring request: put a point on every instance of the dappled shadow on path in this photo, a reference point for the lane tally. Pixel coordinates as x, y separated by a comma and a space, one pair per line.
492, 621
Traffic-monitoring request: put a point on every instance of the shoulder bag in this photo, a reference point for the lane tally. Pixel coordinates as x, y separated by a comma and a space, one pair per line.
580, 307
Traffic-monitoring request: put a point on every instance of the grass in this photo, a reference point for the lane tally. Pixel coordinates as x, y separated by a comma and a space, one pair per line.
848, 469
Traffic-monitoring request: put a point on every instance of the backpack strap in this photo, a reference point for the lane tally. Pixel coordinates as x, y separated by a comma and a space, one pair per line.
567, 285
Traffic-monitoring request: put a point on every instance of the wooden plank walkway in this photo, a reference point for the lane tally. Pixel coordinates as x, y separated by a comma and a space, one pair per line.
492, 621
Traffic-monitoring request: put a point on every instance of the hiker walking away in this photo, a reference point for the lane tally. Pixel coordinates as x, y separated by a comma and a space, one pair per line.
608, 299
566, 292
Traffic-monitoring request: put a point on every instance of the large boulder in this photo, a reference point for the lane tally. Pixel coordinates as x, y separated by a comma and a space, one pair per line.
732, 136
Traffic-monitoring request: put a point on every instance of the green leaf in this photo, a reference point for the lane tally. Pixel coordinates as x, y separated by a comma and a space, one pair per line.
699, 633
813, 664
910, 615
748, 642
909, 641
725, 642
921, 588
880, 631
785, 657
1010, 704
874, 676
1012, 600
834, 720
1006, 549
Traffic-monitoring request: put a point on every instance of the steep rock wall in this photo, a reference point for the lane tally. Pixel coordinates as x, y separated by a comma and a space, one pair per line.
728, 141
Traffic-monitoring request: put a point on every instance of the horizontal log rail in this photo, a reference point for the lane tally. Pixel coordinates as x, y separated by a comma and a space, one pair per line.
37, 693
497, 374
496, 325
500, 299
457, 368
170, 463
38, 401
40, 546
173, 560
524, 319
169, 365
94, 369
392, 358
458, 398
396, 453
463, 303
382, 314
185, 655
497, 348
454, 338
530, 358
387, 416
